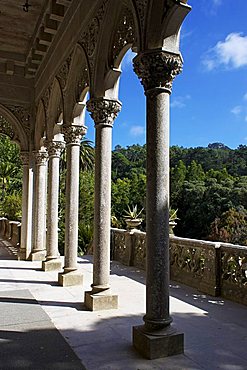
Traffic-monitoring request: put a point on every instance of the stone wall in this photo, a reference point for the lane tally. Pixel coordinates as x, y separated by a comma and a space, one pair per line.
218, 269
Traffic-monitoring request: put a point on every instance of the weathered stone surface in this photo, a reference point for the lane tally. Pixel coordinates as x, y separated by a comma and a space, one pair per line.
52, 265
38, 256
152, 346
71, 278
101, 301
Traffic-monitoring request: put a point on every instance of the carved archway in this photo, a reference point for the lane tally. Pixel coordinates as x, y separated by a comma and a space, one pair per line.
12, 127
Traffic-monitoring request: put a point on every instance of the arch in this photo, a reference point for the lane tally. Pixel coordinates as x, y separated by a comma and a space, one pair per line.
40, 126
77, 85
12, 127
55, 108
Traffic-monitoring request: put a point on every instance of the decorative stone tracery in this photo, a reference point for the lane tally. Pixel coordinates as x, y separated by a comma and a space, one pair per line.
64, 71
23, 116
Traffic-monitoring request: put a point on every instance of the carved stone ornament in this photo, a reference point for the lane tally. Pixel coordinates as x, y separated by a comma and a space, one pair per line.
103, 111
89, 38
5, 128
41, 157
23, 116
125, 33
64, 71
46, 97
82, 82
157, 69
55, 148
141, 8
74, 134
25, 157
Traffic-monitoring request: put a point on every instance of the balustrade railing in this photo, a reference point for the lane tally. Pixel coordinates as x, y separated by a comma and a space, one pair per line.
214, 268
10, 231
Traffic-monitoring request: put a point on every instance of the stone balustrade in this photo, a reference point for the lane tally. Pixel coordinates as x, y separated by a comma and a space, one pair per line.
215, 268
10, 231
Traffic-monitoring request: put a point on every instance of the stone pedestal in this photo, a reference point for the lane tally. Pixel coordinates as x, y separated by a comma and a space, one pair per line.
54, 151
52, 265
70, 278
157, 338
156, 346
103, 112
70, 275
101, 301
39, 227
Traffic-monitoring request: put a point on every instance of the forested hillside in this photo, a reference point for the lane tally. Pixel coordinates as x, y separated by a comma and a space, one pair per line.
208, 188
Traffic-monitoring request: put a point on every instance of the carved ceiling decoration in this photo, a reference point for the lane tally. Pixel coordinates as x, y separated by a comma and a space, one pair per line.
25, 37
141, 8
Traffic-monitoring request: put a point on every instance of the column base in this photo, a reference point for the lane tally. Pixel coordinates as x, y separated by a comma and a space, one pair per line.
38, 256
157, 346
101, 301
22, 255
52, 265
70, 278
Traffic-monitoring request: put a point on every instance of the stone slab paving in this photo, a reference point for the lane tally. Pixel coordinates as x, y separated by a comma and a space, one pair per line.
215, 329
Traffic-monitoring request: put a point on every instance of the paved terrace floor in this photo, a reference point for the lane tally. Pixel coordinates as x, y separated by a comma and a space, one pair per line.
40, 322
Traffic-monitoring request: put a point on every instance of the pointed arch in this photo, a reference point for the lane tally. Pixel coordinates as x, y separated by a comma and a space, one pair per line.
12, 127
78, 83
55, 108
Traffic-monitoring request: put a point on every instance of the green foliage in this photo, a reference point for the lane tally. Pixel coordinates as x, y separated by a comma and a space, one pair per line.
133, 213
11, 207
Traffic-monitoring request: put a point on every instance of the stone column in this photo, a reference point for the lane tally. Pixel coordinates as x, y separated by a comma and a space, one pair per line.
103, 112
71, 276
53, 261
27, 207
39, 229
157, 338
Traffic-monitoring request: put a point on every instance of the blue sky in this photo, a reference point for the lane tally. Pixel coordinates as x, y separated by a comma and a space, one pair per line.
209, 99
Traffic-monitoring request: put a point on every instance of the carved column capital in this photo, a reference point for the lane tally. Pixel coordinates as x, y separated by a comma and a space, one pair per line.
55, 148
74, 134
103, 111
25, 158
157, 69
41, 157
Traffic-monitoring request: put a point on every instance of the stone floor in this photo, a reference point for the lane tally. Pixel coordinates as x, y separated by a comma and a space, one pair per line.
215, 329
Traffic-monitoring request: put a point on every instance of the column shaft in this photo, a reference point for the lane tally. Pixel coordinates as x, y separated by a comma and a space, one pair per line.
27, 206
102, 208
71, 275
39, 250
157, 239
103, 112
72, 206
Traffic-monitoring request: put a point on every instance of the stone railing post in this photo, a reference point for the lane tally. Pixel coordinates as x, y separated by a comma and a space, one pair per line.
39, 229
157, 338
103, 112
27, 207
71, 275
53, 261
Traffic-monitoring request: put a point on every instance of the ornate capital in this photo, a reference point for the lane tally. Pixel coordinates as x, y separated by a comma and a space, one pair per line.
25, 158
41, 157
73, 134
103, 111
157, 69
55, 148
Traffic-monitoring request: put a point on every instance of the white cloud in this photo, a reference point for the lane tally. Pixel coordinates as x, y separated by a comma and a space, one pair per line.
179, 101
137, 130
236, 110
230, 53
